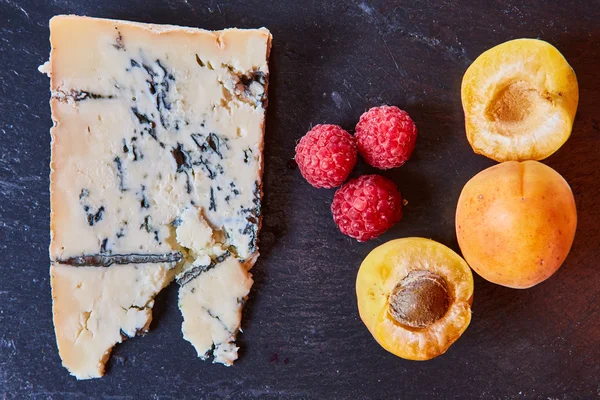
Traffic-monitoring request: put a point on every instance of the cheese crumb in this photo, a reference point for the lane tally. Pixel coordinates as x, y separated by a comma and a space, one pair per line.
194, 232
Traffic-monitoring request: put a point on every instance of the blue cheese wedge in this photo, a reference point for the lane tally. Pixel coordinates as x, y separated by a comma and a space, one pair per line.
96, 308
212, 319
156, 163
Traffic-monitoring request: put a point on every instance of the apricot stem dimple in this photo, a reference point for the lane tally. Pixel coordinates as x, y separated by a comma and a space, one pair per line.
420, 299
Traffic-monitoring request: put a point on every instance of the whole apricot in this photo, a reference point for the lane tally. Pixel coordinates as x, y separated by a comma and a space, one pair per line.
515, 223
520, 100
414, 295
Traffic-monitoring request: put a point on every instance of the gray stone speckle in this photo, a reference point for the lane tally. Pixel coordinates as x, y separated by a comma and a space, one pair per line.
337, 99
366, 8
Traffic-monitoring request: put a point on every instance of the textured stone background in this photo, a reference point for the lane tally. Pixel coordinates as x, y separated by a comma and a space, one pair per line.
302, 337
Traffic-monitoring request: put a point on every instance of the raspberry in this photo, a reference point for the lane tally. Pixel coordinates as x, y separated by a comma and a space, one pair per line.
366, 207
326, 156
385, 136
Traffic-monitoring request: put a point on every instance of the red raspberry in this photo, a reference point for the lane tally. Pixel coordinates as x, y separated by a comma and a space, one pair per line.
366, 207
385, 136
326, 156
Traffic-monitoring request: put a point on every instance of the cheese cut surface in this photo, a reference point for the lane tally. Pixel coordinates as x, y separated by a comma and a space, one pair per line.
95, 308
213, 318
156, 163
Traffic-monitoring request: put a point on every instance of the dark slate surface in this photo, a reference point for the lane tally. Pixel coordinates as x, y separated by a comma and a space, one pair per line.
302, 335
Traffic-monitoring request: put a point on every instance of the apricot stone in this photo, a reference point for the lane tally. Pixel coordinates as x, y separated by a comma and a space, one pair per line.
515, 223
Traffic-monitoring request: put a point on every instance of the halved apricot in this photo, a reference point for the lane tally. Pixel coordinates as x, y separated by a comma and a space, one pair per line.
515, 223
414, 296
520, 100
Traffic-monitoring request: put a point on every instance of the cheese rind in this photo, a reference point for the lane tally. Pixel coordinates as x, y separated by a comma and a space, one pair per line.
156, 151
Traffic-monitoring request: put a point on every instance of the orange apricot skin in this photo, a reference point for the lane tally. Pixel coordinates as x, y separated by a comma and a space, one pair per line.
515, 223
